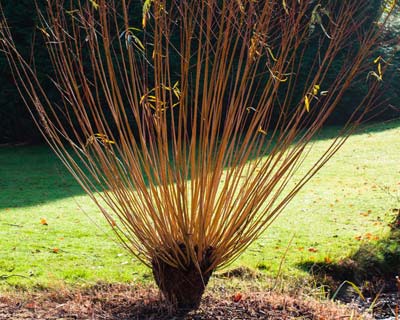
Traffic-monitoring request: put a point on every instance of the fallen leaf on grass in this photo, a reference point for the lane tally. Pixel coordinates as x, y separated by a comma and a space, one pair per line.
368, 236
312, 249
55, 250
43, 221
327, 260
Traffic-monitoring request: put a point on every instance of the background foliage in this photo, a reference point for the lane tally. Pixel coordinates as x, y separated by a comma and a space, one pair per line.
16, 124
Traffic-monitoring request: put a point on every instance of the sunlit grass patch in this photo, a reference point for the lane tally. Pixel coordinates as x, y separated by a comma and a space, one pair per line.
347, 203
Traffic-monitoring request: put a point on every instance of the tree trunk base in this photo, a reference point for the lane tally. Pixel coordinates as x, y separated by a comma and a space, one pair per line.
182, 288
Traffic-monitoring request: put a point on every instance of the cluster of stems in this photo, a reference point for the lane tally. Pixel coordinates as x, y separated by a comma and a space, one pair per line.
187, 126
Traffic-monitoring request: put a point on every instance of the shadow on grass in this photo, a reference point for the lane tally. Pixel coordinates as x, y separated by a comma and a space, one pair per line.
367, 128
373, 267
33, 175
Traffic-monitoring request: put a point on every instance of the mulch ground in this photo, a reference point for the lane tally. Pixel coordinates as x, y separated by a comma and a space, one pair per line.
125, 302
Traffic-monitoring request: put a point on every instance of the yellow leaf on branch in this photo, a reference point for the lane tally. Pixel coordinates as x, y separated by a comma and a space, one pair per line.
307, 103
94, 4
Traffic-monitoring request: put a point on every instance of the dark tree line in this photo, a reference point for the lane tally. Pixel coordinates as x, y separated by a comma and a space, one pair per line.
16, 124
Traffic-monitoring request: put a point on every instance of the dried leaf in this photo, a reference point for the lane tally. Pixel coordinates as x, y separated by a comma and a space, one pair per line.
285, 6
262, 131
237, 297
328, 260
307, 103
146, 10
94, 4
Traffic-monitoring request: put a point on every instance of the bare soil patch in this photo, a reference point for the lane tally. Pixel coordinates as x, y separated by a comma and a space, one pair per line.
126, 302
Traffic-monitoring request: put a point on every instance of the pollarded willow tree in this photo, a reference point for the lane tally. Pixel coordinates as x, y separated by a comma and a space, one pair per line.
186, 128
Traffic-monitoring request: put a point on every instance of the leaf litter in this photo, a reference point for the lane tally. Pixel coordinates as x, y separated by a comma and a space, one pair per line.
117, 301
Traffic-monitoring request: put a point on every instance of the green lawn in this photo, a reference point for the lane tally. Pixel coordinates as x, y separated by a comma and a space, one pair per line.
348, 202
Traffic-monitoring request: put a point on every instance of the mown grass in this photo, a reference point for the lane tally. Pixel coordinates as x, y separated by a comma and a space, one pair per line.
348, 203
